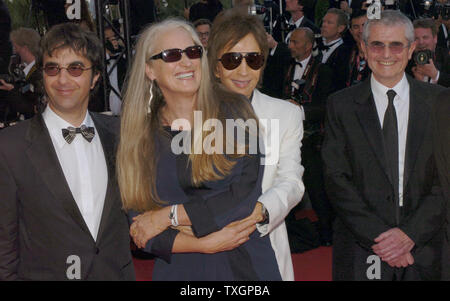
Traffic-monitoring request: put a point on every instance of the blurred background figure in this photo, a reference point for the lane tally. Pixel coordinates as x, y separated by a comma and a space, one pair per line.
116, 67
23, 91
203, 29
204, 9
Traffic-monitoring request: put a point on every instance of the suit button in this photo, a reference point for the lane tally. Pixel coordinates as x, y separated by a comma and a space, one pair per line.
97, 250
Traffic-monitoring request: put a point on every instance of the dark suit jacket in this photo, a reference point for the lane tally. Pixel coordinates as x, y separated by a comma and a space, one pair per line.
305, 23
40, 223
441, 140
441, 143
338, 62
24, 98
442, 41
361, 192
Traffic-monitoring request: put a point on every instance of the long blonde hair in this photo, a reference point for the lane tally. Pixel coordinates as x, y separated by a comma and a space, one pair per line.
137, 156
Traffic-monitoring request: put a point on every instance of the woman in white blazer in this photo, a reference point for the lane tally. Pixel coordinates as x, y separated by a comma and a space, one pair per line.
237, 51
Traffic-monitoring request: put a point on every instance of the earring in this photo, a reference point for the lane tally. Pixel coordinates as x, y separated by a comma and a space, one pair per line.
150, 99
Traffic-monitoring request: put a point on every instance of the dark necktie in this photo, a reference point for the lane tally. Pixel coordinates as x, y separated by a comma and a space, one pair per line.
88, 133
291, 27
322, 46
390, 133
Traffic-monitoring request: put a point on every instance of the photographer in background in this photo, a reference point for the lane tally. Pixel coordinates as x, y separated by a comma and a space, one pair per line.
23, 95
429, 63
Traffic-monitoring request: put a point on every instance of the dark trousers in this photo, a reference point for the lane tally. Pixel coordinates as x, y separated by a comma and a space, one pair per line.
314, 184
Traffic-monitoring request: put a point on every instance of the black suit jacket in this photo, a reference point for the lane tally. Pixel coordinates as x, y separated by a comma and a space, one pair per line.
277, 30
40, 223
358, 185
441, 140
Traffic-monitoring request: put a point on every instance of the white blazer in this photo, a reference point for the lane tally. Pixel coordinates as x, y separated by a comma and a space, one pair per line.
282, 184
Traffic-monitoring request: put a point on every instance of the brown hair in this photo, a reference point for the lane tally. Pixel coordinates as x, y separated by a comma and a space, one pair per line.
426, 23
82, 42
228, 29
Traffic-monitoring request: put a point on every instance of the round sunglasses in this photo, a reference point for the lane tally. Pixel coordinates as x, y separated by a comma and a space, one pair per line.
232, 60
74, 70
174, 55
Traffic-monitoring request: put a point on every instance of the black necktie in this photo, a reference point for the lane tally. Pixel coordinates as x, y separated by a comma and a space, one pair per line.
390, 133
322, 46
291, 27
298, 63
88, 133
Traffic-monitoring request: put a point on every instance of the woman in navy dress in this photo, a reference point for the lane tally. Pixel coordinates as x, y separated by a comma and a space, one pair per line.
165, 189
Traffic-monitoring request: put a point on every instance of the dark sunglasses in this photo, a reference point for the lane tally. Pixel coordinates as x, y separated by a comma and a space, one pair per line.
74, 70
232, 60
174, 55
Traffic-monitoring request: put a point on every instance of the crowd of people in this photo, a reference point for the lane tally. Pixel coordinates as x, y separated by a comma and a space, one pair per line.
348, 112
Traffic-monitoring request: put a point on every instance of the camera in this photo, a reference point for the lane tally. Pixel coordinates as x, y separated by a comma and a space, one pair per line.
15, 73
422, 57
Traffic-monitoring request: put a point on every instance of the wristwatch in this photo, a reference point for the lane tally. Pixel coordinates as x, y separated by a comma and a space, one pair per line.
265, 214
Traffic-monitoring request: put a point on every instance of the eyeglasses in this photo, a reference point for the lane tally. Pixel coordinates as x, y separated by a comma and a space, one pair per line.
174, 55
74, 70
232, 60
394, 47
203, 34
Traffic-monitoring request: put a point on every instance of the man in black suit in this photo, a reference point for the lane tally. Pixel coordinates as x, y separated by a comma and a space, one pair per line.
334, 52
441, 143
437, 69
358, 69
117, 69
379, 169
60, 207
295, 19
23, 97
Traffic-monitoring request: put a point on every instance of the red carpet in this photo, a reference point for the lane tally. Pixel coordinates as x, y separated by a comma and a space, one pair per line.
313, 265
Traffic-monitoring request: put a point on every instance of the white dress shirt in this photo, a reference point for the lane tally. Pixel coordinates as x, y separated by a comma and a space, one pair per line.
298, 74
327, 53
297, 25
401, 104
84, 167
28, 67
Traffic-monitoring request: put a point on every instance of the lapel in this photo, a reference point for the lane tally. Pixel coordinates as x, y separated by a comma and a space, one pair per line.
418, 122
42, 155
107, 139
30, 73
369, 121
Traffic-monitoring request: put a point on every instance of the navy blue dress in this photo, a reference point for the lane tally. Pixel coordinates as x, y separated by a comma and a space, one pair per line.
210, 207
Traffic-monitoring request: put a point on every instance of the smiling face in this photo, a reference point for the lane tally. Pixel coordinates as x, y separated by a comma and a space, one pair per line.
243, 79
387, 67
356, 28
180, 78
424, 39
68, 95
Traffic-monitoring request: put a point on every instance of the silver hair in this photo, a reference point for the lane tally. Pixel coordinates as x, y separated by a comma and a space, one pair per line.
390, 18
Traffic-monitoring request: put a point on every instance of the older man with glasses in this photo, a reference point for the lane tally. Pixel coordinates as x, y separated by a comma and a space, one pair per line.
379, 169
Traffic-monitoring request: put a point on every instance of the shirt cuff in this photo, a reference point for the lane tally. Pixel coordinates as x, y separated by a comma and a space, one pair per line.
262, 229
436, 79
